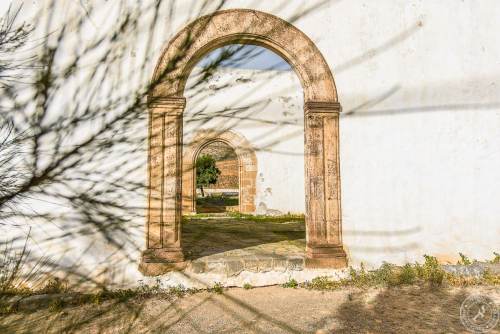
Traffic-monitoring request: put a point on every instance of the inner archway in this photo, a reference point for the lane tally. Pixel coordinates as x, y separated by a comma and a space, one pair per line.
321, 108
246, 164
222, 194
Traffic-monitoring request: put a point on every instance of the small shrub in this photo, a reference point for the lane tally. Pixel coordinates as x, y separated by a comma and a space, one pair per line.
123, 295
97, 298
358, 278
178, 291
408, 275
12, 262
217, 288
53, 285
490, 278
323, 283
247, 286
496, 259
6, 309
464, 260
56, 305
291, 283
431, 271
385, 275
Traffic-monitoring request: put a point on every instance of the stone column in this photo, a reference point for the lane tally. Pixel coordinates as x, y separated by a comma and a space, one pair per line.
322, 180
165, 183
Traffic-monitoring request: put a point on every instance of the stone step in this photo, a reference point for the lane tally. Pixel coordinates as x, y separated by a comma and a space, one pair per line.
232, 266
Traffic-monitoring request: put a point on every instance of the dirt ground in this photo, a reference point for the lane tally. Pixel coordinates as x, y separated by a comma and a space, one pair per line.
410, 309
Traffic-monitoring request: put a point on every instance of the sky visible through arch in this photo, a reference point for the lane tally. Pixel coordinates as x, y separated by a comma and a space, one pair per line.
251, 57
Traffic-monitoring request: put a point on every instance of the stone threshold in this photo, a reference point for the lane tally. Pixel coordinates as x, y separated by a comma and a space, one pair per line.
233, 266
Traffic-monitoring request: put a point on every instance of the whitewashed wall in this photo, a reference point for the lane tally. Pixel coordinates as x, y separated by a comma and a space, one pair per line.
419, 82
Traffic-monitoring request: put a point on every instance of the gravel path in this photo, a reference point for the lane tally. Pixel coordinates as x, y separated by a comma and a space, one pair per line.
275, 309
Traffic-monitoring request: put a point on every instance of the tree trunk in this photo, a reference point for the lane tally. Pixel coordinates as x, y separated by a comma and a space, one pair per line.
202, 192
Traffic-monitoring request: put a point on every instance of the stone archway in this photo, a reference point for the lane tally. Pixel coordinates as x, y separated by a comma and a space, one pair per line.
247, 164
321, 128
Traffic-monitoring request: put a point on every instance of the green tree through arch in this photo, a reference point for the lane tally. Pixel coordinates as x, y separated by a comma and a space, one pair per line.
206, 172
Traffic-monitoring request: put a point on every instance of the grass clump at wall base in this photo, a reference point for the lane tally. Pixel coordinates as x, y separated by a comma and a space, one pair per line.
265, 218
464, 260
217, 288
291, 283
53, 285
496, 259
324, 283
429, 272
289, 217
390, 275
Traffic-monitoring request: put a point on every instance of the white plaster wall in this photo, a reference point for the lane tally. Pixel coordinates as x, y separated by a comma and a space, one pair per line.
420, 133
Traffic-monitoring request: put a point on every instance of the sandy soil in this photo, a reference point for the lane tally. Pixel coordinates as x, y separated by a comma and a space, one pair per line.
263, 310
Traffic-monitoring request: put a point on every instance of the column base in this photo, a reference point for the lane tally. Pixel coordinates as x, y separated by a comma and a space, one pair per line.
158, 261
325, 256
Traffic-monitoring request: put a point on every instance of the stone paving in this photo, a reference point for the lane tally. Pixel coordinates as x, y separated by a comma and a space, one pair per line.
229, 246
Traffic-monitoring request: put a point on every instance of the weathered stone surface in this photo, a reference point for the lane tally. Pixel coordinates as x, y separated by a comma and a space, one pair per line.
216, 264
476, 269
295, 263
234, 266
265, 264
280, 264
156, 269
197, 267
251, 264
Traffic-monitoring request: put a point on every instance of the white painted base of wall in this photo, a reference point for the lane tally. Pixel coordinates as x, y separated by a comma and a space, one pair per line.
207, 280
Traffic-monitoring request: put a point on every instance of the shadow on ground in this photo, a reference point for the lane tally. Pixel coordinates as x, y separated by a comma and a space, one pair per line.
216, 204
236, 237
410, 309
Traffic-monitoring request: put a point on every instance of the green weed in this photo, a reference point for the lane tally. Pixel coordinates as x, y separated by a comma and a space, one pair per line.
217, 288
291, 283
464, 260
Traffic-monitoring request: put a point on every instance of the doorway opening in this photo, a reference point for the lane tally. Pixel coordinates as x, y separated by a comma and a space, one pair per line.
217, 179
243, 163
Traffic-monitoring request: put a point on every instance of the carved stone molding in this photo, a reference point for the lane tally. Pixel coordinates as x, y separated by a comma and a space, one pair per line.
322, 107
167, 105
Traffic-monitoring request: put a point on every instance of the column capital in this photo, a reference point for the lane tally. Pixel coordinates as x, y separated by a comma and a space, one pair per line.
171, 105
322, 107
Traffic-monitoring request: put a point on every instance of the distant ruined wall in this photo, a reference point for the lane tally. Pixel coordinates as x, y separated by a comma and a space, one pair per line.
228, 179
227, 162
